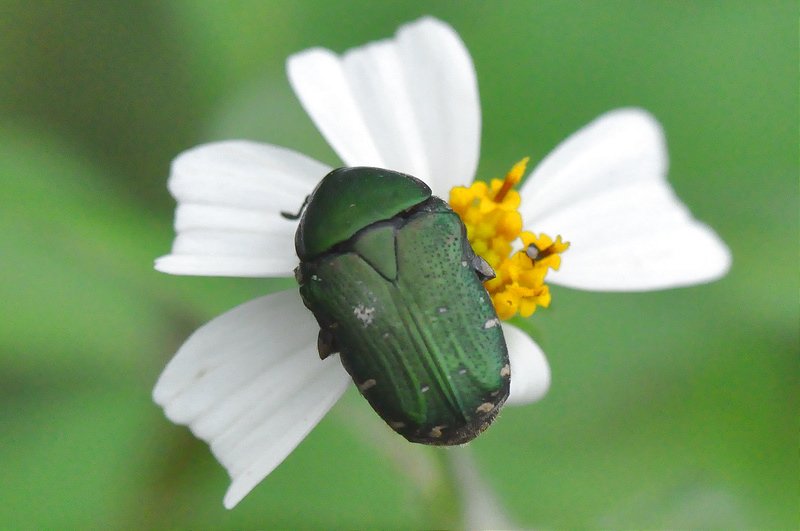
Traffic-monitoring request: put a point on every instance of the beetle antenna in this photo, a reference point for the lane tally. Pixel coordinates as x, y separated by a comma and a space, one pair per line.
295, 217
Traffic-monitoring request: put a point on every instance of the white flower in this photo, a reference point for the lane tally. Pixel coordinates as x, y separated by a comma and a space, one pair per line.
250, 382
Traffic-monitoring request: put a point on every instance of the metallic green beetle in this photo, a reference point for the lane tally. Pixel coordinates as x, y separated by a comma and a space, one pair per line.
392, 280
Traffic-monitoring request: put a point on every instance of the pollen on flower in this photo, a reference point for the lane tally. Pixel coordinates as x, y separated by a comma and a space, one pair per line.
490, 214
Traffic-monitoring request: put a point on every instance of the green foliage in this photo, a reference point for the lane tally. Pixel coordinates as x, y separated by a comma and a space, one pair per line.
674, 409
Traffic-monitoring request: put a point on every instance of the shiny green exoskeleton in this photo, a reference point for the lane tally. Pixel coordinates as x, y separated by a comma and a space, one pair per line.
392, 280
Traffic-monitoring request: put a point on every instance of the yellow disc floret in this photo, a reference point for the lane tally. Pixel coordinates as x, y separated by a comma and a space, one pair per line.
493, 226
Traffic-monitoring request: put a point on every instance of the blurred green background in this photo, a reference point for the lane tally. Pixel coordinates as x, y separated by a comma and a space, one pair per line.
671, 409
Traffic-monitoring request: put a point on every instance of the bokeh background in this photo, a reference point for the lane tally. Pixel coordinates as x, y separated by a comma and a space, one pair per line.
671, 409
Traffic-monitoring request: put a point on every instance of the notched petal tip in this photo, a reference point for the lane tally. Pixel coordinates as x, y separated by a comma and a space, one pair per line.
710, 254
409, 103
230, 195
605, 190
250, 383
429, 25
632, 115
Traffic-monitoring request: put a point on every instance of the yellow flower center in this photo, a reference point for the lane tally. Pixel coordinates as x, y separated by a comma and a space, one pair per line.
490, 213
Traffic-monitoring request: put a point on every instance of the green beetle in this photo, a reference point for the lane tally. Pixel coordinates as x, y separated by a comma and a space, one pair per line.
388, 272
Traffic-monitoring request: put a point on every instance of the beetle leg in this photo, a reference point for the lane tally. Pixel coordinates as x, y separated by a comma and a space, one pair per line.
298, 276
482, 268
326, 343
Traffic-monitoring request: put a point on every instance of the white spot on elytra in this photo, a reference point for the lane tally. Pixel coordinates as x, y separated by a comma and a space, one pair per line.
369, 384
397, 424
436, 432
464, 263
485, 407
364, 314
315, 278
425, 388
505, 371
491, 323
462, 371
441, 309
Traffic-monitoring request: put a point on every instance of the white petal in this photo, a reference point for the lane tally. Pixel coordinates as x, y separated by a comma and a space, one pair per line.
251, 384
230, 196
409, 104
530, 373
604, 189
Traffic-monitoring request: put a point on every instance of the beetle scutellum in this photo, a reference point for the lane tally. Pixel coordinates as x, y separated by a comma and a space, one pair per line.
392, 280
